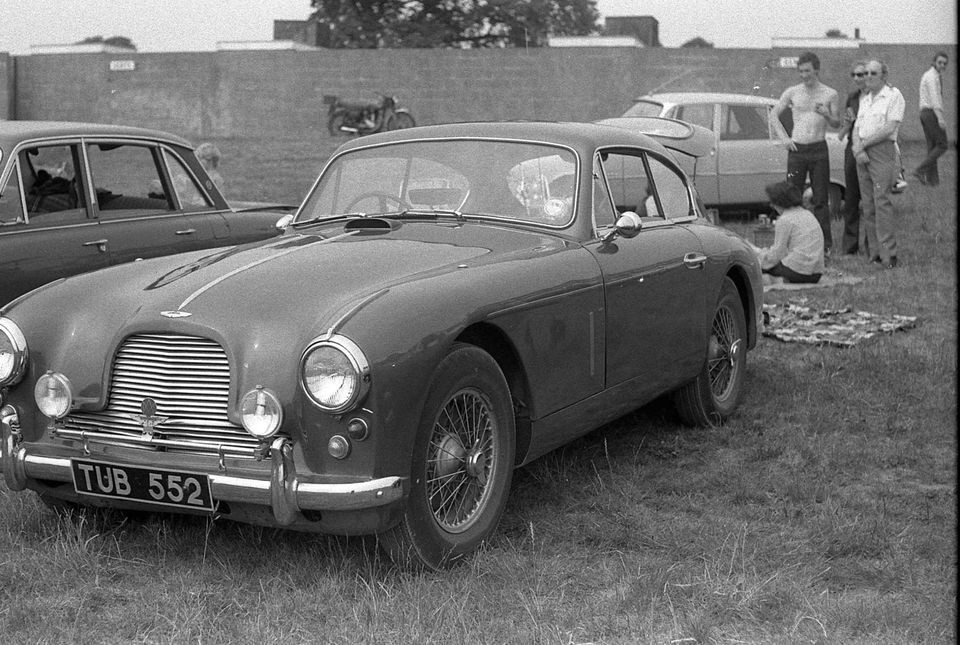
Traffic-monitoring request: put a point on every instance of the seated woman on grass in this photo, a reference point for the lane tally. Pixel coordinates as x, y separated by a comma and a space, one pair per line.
797, 251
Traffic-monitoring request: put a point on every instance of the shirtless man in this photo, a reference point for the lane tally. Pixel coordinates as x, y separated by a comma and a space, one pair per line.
814, 107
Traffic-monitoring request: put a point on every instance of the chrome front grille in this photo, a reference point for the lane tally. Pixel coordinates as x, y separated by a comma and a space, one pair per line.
189, 379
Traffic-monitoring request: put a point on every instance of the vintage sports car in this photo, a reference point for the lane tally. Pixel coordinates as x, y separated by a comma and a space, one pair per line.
448, 303
747, 154
75, 197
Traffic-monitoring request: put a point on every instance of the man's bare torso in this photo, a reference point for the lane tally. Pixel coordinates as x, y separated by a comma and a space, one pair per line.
808, 126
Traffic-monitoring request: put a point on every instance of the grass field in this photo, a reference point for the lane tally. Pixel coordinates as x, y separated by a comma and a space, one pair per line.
824, 512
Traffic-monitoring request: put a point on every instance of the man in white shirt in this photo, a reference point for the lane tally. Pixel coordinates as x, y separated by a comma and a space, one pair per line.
932, 119
874, 148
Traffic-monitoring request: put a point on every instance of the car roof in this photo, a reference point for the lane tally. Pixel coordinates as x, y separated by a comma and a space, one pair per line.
13, 132
580, 136
681, 98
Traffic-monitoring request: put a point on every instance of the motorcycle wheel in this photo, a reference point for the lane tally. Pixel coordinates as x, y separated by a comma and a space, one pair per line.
401, 120
334, 123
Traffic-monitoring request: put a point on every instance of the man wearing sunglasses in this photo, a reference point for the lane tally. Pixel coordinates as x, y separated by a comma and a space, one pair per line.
932, 119
814, 106
850, 244
875, 149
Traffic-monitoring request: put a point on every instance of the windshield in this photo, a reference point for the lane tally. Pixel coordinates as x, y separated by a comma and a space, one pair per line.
504, 179
644, 108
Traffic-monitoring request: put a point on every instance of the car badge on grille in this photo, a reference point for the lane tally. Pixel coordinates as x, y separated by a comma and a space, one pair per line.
148, 417
175, 314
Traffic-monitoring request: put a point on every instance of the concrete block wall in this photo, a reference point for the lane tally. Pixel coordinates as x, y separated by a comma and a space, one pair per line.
280, 93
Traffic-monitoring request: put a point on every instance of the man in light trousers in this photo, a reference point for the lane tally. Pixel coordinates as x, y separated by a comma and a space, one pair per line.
874, 148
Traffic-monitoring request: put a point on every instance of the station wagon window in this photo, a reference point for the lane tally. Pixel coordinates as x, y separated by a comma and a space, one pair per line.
186, 189
629, 183
11, 209
127, 177
53, 195
671, 188
743, 122
698, 114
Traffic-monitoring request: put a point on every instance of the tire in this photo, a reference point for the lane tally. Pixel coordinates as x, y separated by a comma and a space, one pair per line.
446, 521
710, 398
835, 202
402, 120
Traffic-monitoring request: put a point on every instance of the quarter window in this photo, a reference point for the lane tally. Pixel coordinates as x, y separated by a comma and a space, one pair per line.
11, 210
188, 193
671, 189
698, 114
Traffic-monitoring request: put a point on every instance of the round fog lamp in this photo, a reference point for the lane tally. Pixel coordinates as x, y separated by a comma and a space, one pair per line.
260, 413
338, 447
53, 394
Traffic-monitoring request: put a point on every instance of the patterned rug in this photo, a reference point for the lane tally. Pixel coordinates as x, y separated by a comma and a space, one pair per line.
796, 323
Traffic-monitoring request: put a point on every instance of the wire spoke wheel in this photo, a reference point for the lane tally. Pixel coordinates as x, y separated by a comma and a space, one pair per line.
460, 458
722, 363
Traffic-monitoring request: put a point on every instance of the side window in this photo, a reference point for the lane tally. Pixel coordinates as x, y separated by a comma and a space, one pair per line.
604, 213
53, 195
11, 208
188, 193
671, 189
698, 114
629, 184
127, 177
743, 122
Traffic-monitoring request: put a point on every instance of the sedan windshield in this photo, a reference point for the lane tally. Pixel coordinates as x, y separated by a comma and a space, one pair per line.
504, 179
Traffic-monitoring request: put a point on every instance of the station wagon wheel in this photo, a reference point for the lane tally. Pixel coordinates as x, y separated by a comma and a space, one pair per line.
714, 394
462, 463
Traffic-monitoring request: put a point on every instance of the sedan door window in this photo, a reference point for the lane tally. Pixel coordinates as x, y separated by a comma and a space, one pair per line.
629, 183
53, 195
128, 178
188, 193
743, 122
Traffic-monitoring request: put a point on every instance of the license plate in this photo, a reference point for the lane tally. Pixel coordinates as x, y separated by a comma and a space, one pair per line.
151, 485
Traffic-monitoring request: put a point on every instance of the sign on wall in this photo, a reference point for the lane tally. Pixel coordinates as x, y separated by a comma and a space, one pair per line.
122, 65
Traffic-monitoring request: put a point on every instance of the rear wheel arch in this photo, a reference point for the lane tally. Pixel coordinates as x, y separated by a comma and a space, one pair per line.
739, 277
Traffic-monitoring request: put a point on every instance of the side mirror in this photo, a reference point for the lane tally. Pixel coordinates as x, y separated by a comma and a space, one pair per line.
284, 221
628, 225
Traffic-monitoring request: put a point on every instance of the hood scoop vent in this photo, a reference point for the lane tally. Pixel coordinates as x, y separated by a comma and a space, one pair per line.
371, 226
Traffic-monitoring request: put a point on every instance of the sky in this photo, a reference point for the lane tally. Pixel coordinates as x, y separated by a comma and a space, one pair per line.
197, 25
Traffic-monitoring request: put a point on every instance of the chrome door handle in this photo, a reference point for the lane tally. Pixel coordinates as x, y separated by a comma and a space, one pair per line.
100, 244
187, 231
694, 260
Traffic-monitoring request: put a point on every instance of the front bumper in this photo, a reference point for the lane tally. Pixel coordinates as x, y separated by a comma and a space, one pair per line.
284, 492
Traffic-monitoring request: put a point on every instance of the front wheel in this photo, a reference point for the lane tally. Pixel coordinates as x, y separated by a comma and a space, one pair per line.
462, 465
714, 394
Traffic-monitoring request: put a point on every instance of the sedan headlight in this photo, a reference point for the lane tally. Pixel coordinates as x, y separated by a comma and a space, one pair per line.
54, 395
261, 413
335, 374
13, 353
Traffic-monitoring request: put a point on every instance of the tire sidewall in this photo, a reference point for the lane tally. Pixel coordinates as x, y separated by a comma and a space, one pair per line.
464, 367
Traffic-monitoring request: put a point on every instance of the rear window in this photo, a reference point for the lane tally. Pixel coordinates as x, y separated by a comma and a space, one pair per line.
644, 107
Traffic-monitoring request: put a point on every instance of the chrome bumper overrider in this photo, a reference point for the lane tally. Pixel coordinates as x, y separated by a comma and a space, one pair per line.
285, 493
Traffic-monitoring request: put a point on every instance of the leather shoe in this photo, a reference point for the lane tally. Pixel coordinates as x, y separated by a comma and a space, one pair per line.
892, 264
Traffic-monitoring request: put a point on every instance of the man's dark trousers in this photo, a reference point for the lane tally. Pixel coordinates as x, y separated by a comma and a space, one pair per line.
813, 159
936, 146
851, 204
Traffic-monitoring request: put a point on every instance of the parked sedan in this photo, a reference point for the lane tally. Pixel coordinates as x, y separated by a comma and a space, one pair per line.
76, 197
449, 303
747, 155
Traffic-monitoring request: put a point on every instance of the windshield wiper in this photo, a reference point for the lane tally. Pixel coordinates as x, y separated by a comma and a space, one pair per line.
424, 212
313, 220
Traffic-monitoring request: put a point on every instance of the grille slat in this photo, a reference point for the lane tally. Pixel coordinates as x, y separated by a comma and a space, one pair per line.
187, 376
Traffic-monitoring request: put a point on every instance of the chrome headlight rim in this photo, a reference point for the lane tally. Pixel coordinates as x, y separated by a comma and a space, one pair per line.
357, 360
66, 402
18, 341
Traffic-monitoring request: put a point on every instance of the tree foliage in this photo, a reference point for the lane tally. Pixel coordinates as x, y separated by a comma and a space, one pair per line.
697, 42
836, 33
450, 23
114, 41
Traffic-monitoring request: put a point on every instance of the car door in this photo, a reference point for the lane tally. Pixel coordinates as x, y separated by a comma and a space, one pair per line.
46, 231
653, 281
750, 155
143, 211
707, 176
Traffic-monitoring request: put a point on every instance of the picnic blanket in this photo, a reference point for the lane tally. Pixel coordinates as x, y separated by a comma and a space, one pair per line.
826, 280
795, 323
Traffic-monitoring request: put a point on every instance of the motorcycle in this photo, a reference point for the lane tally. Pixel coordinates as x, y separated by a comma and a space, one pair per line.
365, 117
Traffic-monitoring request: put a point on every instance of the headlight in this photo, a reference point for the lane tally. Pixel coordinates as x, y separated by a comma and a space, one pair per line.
335, 374
53, 394
13, 353
260, 413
